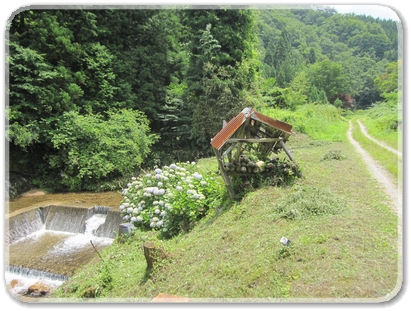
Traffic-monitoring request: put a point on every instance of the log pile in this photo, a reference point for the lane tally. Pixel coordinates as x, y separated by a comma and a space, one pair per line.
273, 166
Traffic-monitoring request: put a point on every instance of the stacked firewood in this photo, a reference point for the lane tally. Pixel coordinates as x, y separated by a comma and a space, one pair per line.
245, 165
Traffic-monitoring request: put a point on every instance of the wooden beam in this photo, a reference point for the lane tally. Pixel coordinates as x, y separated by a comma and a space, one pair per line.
226, 178
228, 150
287, 152
253, 140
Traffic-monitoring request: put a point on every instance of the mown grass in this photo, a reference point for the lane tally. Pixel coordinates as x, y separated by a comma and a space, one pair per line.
344, 246
391, 138
386, 158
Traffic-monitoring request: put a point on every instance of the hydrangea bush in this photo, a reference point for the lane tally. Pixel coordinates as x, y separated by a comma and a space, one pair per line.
170, 199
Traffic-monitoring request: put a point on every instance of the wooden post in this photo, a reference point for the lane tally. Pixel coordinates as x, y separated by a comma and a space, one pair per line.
287, 151
149, 253
226, 178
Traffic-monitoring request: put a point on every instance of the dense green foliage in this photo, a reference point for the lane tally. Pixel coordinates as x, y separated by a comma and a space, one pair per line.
73, 74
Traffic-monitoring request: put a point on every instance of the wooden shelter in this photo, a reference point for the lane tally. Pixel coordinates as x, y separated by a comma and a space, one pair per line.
249, 131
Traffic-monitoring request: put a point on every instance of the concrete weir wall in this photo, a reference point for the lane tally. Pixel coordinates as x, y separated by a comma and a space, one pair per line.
58, 217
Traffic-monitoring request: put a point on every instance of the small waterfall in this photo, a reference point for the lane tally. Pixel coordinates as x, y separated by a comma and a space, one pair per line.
49, 244
19, 279
93, 223
35, 274
110, 227
21, 225
67, 218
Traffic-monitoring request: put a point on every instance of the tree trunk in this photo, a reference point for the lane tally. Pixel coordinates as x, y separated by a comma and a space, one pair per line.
149, 253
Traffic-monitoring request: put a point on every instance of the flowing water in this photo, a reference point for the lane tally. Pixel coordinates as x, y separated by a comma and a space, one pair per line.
49, 244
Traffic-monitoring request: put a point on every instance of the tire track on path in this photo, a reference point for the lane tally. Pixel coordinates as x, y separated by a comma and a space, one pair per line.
380, 174
380, 143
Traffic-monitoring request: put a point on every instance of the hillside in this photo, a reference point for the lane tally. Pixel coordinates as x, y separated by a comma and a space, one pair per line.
344, 243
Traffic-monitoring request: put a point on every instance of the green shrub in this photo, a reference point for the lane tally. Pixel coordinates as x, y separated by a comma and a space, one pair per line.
171, 199
89, 149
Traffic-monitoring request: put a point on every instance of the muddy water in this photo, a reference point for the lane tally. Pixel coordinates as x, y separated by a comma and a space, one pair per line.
110, 198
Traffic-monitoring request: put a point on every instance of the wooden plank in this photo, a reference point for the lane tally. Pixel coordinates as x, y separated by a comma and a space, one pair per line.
253, 140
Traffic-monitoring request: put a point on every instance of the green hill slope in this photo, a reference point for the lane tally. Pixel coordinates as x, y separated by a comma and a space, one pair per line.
344, 243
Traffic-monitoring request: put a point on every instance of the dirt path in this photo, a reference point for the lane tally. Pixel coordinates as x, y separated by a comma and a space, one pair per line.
380, 174
380, 143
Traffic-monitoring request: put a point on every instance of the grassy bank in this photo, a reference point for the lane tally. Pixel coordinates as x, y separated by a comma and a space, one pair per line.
344, 243
321, 122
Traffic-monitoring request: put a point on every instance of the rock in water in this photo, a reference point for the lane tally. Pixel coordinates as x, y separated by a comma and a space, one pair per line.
38, 289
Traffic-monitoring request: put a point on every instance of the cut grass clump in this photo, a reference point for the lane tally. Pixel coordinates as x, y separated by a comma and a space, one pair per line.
334, 155
308, 201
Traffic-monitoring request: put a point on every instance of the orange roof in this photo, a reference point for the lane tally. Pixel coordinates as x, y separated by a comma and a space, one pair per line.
235, 123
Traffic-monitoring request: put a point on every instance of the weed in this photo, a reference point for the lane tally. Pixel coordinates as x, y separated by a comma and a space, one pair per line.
333, 155
284, 252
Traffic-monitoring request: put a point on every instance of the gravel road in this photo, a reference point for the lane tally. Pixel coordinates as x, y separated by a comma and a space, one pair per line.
380, 174
364, 131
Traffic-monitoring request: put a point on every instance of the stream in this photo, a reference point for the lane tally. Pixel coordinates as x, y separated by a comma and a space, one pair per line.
49, 244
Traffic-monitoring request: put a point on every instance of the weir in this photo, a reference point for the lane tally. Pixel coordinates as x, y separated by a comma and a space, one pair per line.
52, 242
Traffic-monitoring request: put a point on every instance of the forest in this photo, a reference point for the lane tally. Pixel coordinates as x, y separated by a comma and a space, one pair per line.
96, 95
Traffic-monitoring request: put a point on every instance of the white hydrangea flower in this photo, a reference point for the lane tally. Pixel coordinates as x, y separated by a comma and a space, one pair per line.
193, 163
203, 183
130, 210
197, 176
133, 219
155, 219
160, 223
158, 171
126, 204
163, 213
152, 224
157, 211
173, 166
133, 178
179, 188
148, 175
139, 218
